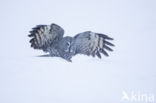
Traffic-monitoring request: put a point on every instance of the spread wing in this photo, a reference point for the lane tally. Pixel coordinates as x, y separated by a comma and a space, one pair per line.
90, 43
42, 36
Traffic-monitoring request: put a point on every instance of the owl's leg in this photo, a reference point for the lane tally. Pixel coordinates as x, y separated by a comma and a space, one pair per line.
67, 57
69, 60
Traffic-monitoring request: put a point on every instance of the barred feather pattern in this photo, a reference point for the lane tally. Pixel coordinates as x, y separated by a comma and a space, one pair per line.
44, 35
49, 38
90, 43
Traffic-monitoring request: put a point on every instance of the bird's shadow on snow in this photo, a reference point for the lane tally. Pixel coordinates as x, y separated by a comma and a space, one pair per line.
45, 55
49, 56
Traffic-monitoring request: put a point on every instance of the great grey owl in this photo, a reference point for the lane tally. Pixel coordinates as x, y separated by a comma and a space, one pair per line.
49, 38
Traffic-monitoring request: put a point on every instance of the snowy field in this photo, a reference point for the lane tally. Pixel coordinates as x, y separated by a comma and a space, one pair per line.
130, 69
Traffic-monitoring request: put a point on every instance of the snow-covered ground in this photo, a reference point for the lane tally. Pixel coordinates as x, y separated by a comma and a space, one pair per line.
130, 69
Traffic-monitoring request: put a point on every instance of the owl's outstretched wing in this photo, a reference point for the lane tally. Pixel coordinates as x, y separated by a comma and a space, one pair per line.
90, 43
44, 35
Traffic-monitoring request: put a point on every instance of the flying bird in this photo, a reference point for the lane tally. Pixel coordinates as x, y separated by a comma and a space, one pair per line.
51, 39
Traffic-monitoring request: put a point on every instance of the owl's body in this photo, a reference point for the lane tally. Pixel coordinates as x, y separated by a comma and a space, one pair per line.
49, 38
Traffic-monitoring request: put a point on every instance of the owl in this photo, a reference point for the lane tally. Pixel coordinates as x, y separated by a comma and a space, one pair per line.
51, 39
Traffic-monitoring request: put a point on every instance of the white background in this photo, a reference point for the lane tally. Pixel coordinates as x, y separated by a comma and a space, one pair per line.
27, 78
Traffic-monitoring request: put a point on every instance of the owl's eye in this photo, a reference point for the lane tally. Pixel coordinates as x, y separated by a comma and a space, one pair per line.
68, 44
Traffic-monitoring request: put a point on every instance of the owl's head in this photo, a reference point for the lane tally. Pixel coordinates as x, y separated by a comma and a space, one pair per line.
66, 44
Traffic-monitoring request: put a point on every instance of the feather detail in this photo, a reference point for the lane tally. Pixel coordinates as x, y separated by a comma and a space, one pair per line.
44, 35
96, 44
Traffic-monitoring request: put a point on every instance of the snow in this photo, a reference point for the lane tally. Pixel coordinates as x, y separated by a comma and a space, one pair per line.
27, 78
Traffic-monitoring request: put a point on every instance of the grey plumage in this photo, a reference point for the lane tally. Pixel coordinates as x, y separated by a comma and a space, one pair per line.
49, 38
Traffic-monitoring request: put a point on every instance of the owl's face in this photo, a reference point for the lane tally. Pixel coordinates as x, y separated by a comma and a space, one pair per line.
66, 44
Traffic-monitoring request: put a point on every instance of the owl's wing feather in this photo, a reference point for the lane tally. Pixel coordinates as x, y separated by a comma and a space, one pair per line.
90, 43
44, 35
